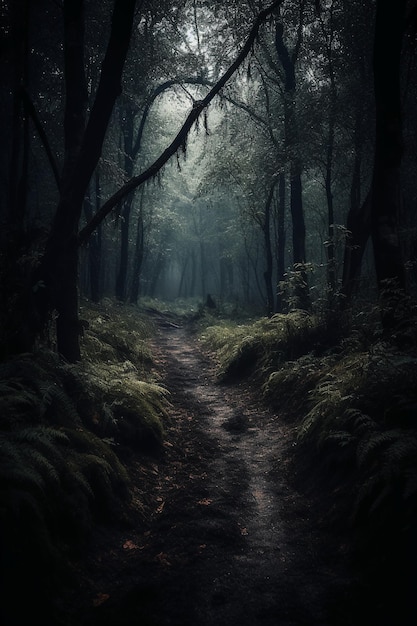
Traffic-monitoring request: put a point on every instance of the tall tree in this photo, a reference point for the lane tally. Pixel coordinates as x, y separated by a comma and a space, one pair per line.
288, 60
378, 215
386, 184
59, 267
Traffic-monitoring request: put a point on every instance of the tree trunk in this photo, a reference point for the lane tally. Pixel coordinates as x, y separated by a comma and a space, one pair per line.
266, 228
60, 261
280, 239
386, 186
181, 291
158, 267
193, 273
94, 246
331, 260
223, 273
19, 161
359, 230
359, 216
124, 250
203, 267
127, 135
292, 145
139, 254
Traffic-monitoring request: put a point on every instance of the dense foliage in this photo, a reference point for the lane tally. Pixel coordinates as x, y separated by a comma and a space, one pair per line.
257, 158
66, 433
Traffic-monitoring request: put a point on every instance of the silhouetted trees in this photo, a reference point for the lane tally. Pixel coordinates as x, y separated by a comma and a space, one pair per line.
308, 138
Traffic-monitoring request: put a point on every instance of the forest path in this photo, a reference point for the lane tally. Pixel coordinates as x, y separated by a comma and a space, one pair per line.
231, 542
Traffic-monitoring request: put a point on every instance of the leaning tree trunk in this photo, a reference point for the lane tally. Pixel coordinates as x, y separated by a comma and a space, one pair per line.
386, 186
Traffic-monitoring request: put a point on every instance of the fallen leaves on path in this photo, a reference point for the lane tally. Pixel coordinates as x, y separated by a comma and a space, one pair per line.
205, 502
130, 545
100, 598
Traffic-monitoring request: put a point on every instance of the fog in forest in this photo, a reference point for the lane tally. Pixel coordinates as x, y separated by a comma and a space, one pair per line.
208, 313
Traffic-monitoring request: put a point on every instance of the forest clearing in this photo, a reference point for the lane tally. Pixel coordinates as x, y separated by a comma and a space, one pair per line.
208, 313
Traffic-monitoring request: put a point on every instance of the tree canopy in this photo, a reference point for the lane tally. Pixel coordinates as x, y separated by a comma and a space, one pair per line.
259, 152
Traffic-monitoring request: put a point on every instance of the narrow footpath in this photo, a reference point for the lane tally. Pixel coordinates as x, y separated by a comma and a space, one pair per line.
231, 541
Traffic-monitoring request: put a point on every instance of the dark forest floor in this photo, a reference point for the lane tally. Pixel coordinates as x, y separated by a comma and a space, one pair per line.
231, 539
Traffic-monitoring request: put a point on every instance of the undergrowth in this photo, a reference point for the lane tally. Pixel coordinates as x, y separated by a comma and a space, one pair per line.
353, 398
260, 346
65, 431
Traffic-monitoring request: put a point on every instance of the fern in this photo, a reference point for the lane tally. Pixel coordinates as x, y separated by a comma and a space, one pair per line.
74, 477
369, 449
341, 439
87, 443
18, 469
402, 452
57, 406
392, 455
358, 422
18, 405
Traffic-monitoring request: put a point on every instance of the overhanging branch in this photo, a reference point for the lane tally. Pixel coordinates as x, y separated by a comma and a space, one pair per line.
181, 137
157, 92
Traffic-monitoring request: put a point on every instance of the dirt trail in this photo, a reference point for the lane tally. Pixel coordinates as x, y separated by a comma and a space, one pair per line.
231, 542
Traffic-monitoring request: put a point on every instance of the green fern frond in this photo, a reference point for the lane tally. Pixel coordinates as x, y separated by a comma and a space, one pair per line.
359, 422
57, 405
31, 459
42, 466
74, 478
341, 439
17, 472
41, 435
100, 474
401, 454
18, 405
83, 443
370, 448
